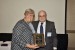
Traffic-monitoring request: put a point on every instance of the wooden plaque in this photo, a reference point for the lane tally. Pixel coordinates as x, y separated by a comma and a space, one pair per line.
39, 39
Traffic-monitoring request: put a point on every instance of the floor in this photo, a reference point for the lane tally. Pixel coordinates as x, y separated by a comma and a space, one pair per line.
71, 48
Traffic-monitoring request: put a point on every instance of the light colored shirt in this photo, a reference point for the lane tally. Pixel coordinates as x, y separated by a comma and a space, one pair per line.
32, 28
44, 26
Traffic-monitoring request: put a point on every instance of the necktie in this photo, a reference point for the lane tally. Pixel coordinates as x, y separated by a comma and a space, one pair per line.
41, 28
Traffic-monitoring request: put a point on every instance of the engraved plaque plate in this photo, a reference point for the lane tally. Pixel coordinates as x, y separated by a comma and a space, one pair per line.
39, 39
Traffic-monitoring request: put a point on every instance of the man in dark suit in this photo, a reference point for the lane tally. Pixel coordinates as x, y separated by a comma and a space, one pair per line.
22, 34
48, 29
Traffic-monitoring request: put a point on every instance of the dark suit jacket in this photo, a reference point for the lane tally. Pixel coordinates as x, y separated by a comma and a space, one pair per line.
50, 41
21, 36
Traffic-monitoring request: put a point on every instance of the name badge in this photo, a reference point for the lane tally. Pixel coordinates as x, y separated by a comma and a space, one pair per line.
49, 34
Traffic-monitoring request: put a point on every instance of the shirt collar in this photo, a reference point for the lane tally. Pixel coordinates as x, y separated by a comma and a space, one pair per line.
43, 23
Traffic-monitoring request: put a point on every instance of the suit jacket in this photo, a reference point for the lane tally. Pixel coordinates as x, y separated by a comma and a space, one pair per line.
50, 41
21, 36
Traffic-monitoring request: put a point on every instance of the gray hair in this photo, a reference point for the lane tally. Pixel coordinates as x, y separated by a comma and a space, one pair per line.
29, 11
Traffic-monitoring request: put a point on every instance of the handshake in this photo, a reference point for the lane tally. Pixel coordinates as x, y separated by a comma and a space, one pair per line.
32, 46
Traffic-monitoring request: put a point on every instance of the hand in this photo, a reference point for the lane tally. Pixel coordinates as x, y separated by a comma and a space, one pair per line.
54, 48
32, 46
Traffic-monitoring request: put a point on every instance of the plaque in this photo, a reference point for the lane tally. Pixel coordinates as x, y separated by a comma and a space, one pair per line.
39, 39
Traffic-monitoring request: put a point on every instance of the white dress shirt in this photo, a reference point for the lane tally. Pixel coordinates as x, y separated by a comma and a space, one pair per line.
44, 26
32, 28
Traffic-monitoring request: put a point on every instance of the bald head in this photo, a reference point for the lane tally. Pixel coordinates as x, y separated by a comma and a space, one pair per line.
42, 16
42, 11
